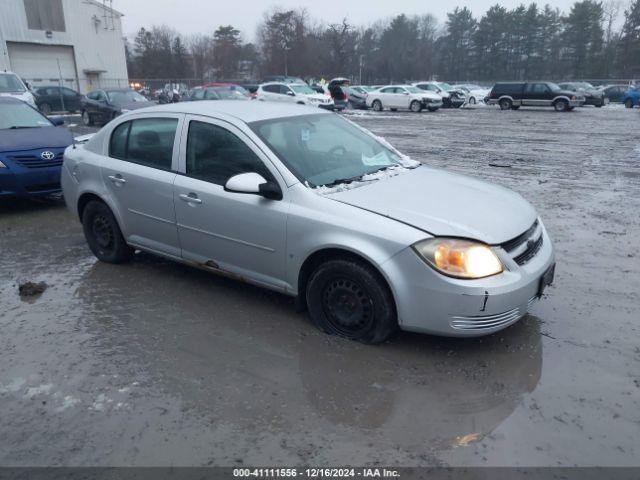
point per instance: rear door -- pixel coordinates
(139, 176)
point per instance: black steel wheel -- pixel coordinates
(103, 234)
(350, 299)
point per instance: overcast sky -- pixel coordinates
(203, 16)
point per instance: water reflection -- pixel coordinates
(241, 355)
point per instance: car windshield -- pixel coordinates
(10, 83)
(229, 94)
(414, 90)
(324, 149)
(445, 86)
(120, 97)
(585, 85)
(21, 115)
(302, 89)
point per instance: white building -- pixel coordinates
(78, 43)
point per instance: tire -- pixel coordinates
(377, 106)
(45, 109)
(505, 104)
(515, 107)
(561, 106)
(87, 121)
(103, 234)
(433, 109)
(628, 103)
(472, 100)
(350, 299)
(415, 106)
(599, 105)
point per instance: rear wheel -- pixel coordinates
(628, 103)
(87, 120)
(472, 100)
(561, 106)
(45, 108)
(416, 106)
(377, 105)
(103, 234)
(505, 104)
(349, 299)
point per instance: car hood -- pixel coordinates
(445, 204)
(28, 139)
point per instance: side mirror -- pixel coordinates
(291, 94)
(57, 121)
(255, 184)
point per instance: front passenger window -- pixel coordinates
(214, 154)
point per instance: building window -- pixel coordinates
(45, 15)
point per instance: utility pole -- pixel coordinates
(361, 66)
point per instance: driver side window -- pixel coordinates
(214, 155)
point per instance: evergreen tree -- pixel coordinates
(629, 49)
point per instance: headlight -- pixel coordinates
(2, 165)
(459, 258)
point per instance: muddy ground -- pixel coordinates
(154, 363)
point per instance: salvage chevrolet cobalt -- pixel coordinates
(302, 201)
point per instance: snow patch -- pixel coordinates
(14, 386)
(43, 389)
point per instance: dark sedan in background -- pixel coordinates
(101, 106)
(57, 99)
(357, 97)
(225, 92)
(615, 93)
(31, 150)
(592, 95)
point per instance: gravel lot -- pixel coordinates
(154, 363)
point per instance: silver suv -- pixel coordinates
(302, 201)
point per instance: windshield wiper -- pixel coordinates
(338, 181)
(16, 127)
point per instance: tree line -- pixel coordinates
(593, 39)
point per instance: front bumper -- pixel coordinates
(429, 302)
(36, 179)
(433, 104)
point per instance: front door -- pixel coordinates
(240, 234)
(139, 177)
(537, 95)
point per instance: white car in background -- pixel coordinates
(451, 98)
(408, 97)
(12, 86)
(475, 93)
(299, 93)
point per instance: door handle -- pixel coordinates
(117, 179)
(191, 198)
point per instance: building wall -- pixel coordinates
(96, 48)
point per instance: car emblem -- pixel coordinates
(48, 155)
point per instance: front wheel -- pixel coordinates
(561, 106)
(628, 103)
(103, 234)
(350, 299)
(416, 106)
(377, 106)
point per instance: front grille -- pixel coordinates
(533, 247)
(36, 161)
(45, 187)
(486, 322)
(520, 239)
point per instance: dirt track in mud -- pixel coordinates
(154, 363)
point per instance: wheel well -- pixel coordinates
(321, 256)
(84, 199)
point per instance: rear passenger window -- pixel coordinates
(146, 142)
(214, 154)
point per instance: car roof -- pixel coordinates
(247, 112)
(10, 100)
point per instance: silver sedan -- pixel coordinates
(304, 202)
